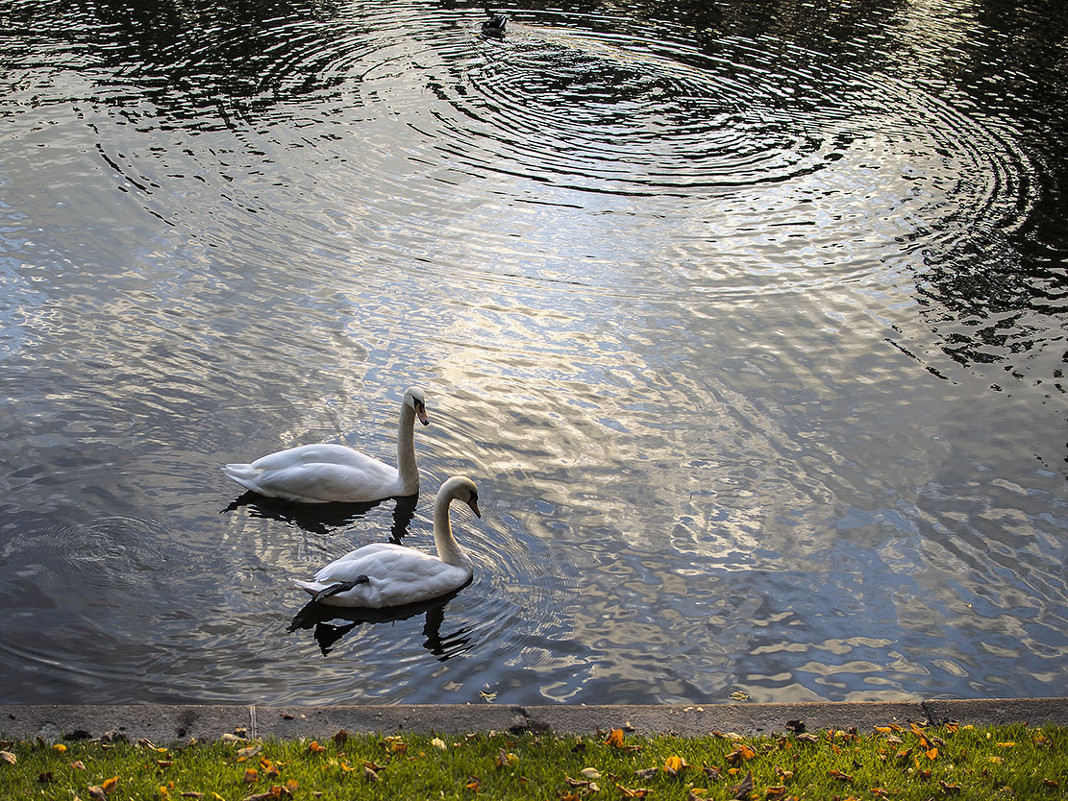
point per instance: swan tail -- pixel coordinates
(320, 591)
(243, 474)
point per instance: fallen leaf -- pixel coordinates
(615, 738)
(932, 754)
(78, 765)
(808, 738)
(740, 752)
(59, 747)
(438, 743)
(647, 773)
(251, 776)
(949, 788)
(741, 791)
(315, 748)
(472, 784)
(785, 775)
(633, 792)
(697, 794)
(8, 757)
(371, 774)
(96, 792)
(837, 774)
(738, 695)
(591, 773)
(110, 785)
(1050, 783)
(675, 765)
(506, 759)
(1009, 744)
(775, 791)
(46, 777)
(251, 751)
(340, 738)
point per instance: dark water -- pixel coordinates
(748, 319)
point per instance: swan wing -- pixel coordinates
(302, 479)
(323, 453)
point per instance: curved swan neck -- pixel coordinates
(449, 550)
(409, 473)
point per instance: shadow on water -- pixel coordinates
(323, 518)
(331, 623)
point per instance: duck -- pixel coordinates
(327, 473)
(494, 26)
(383, 575)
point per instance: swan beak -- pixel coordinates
(473, 503)
(420, 412)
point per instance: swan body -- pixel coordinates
(335, 473)
(385, 574)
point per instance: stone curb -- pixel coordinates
(166, 724)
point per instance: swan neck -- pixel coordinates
(409, 473)
(449, 551)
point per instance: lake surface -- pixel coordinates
(747, 319)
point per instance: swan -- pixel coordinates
(495, 25)
(336, 473)
(386, 574)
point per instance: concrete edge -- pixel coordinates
(167, 724)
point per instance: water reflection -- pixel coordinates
(331, 624)
(323, 518)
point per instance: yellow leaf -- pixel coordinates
(883, 729)
(952, 727)
(932, 754)
(1009, 744)
(775, 791)
(674, 765)
(438, 743)
(315, 748)
(59, 747)
(8, 757)
(615, 738)
(110, 785)
(995, 760)
(251, 776)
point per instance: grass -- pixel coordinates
(958, 762)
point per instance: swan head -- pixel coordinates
(461, 488)
(413, 397)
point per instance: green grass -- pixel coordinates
(959, 762)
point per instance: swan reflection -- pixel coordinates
(323, 518)
(331, 623)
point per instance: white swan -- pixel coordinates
(385, 574)
(335, 473)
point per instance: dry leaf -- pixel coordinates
(251, 751)
(615, 738)
(8, 757)
(837, 774)
(1050, 783)
(808, 738)
(59, 747)
(370, 774)
(740, 752)
(78, 765)
(591, 773)
(315, 748)
(949, 788)
(648, 773)
(110, 785)
(636, 792)
(775, 791)
(96, 792)
(251, 776)
(675, 765)
(438, 743)
(742, 790)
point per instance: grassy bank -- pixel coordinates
(891, 762)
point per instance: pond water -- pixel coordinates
(747, 319)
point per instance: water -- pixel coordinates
(748, 322)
